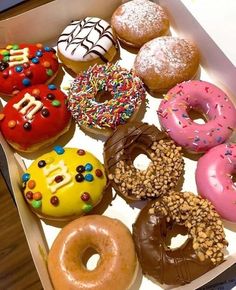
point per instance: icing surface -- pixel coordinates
(163, 172)
(86, 39)
(214, 179)
(32, 116)
(113, 242)
(125, 87)
(61, 179)
(201, 96)
(24, 65)
(166, 217)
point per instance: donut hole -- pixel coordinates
(90, 258)
(197, 116)
(176, 236)
(140, 159)
(102, 96)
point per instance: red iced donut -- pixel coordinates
(23, 65)
(35, 118)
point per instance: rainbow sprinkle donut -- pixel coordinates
(124, 87)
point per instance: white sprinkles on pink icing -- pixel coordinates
(206, 98)
(214, 179)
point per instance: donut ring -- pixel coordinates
(127, 93)
(206, 98)
(171, 214)
(116, 267)
(161, 175)
(23, 65)
(214, 179)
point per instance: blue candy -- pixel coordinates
(88, 167)
(88, 177)
(59, 150)
(25, 177)
(52, 87)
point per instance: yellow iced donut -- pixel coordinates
(64, 183)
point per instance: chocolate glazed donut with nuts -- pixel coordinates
(162, 174)
(168, 216)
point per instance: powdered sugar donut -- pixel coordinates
(214, 179)
(138, 21)
(35, 118)
(86, 42)
(210, 101)
(166, 61)
(23, 65)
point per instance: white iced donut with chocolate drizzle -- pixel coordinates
(86, 42)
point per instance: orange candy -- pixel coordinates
(37, 196)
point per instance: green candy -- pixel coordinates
(56, 103)
(36, 203)
(15, 46)
(5, 53)
(87, 208)
(6, 58)
(49, 72)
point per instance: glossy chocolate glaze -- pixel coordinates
(158, 261)
(122, 143)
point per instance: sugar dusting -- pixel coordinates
(165, 54)
(139, 14)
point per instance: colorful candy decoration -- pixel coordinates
(64, 183)
(24, 65)
(29, 121)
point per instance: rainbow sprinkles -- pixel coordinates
(124, 86)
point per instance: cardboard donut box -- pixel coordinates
(44, 24)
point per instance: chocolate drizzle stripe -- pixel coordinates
(121, 144)
(90, 46)
(140, 133)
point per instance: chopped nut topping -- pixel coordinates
(161, 175)
(201, 219)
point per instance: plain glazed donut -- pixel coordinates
(163, 172)
(165, 61)
(214, 179)
(125, 88)
(24, 65)
(111, 239)
(138, 21)
(210, 101)
(168, 216)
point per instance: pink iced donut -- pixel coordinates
(205, 98)
(214, 179)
